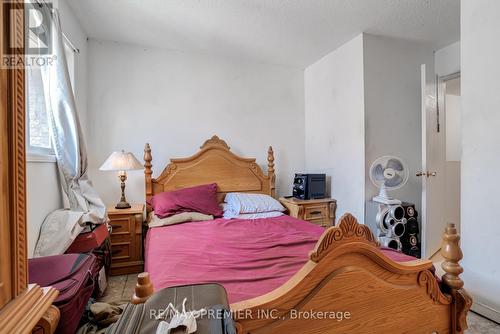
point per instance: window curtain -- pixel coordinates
(61, 227)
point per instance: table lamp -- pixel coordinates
(121, 162)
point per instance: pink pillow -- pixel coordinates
(201, 199)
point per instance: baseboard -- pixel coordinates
(486, 311)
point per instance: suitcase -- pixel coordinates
(140, 318)
(74, 275)
(96, 242)
(85, 242)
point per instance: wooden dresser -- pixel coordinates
(317, 211)
(126, 239)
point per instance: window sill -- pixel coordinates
(37, 157)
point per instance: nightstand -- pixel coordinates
(317, 211)
(126, 239)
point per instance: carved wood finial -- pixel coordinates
(147, 157)
(270, 171)
(215, 141)
(451, 251)
(270, 160)
(143, 289)
(148, 171)
(347, 230)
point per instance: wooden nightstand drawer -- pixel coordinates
(316, 212)
(120, 251)
(321, 222)
(122, 225)
(126, 240)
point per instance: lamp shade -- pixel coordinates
(121, 161)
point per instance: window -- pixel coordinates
(38, 122)
(38, 119)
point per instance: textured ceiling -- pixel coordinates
(290, 32)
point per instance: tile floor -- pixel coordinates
(479, 325)
(120, 288)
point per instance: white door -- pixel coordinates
(433, 220)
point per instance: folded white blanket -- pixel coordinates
(183, 217)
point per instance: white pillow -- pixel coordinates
(260, 215)
(239, 203)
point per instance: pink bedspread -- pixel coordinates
(248, 257)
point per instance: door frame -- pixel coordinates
(423, 110)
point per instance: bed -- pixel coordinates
(251, 257)
(281, 271)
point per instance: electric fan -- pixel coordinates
(388, 173)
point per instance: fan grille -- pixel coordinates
(390, 172)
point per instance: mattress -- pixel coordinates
(248, 257)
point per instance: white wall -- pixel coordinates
(452, 199)
(43, 196)
(176, 100)
(393, 108)
(334, 109)
(447, 60)
(43, 187)
(453, 129)
(480, 52)
(453, 123)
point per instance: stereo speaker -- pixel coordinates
(410, 239)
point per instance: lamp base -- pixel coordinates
(122, 205)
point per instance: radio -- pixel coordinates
(309, 186)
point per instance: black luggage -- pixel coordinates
(141, 318)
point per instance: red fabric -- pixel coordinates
(85, 242)
(201, 199)
(248, 257)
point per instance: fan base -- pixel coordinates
(385, 200)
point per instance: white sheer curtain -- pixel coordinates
(61, 227)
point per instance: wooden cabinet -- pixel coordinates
(126, 239)
(317, 211)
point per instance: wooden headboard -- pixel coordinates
(213, 163)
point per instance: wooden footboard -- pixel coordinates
(349, 286)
